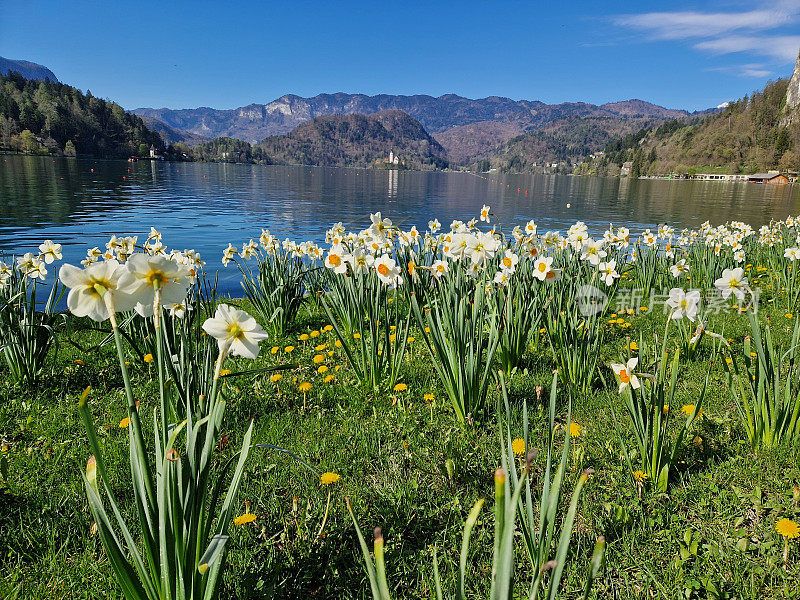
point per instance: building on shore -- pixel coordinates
(772, 177)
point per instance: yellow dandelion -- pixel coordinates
(274, 350)
(688, 410)
(304, 387)
(410, 339)
(244, 519)
(643, 308)
(788, 315)
(124, 423)
(289, 349)
(518, 446)
(543, 330)
(633, 346)
(338, 343)
(788, 528)
(329, 478)
(356, 336)
(304, 337)
(148, 358)
(318, 358)
(329, 378)
(320, 347)
(275, 377)
(640, 476)
(337, 367)
(327, 328)
(322, 369)
(314, 334)
(223, 372)
(428, 397)
(400, 387)
(575, 430)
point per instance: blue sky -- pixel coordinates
(178, 54)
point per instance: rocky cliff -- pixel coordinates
(792, 105)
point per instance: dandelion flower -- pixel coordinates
(329, 378)
(224, 372)
(640, 476)
(327, 328)
(318, 358)
(688, 410)
(124, 423)
(634, 346)
(274, 350)
(304, 337)
(304, 387)
(275, 377)
(400, 387)
(148, 358)
(289, 349)
(314, 334)
(428, 397)
(244, 519)
(329, 478)
(788, 528)
(575, 430)
(518, 446)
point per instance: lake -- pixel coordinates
(80, 203)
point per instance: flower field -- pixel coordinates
(474, 411)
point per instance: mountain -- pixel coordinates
(356, 140)
(171, 135)
(564, 141)
(50, 117)
(754, 134)
(27, 69)
(438, 115)
(792, 106)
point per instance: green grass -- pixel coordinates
(391, 457)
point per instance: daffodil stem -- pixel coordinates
(160, 358)
(223, 354)
(133, 413)
(325, 518)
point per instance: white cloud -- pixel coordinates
(756, 70)
(761, 31)
(689, 24)
(782, 47)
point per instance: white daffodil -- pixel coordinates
(434, 225)
(149, 273)
(31, 265)
(509, 261)
(50, 251)
(542, 268)
(88, 288)
(336, 259)
(733, 282)
(439, 268)
(359, 261)
(502, 277)
(228, 254)
(608, 272)
(388, 271)
(593, 251)
(679, 268)
(380, 226)
(683, 304)
(485, 214)
(178, 309)
(792, 253)
(235, 331)
(626, 375)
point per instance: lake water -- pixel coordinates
(80, 203)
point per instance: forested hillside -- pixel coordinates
(50, 117)
(747, 136)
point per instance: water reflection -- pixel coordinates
(80, 202)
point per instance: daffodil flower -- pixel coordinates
(626, 375)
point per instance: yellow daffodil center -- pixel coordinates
(235, 331)
(383, 269)
(334, 260)
(624, 377)
(98, 287)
